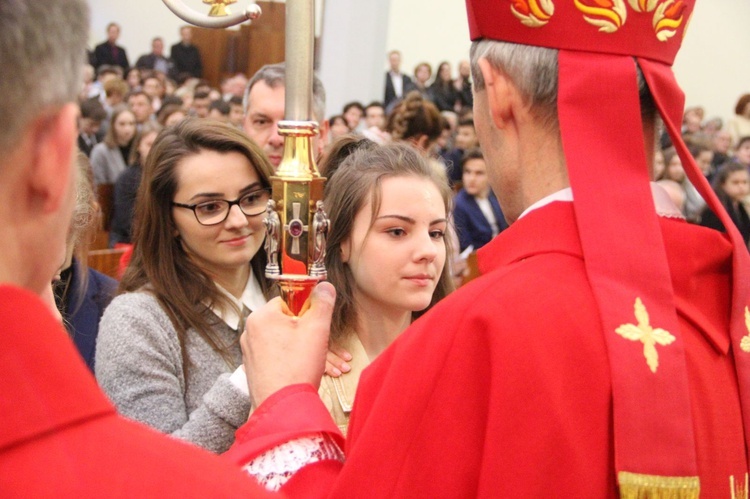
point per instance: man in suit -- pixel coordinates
(476, 212)
(59, 435)
(397, 84)
(109, 52)
(185, 56)
(155, 60)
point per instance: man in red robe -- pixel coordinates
(59, 435)
(605, 351)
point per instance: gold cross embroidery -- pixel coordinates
(644, 333)
(745, 342)
(219, 7)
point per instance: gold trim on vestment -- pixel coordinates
(640, 486)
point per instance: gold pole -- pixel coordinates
(296, 205)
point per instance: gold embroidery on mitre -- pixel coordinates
(533, 13)
(739, 490)
(745, 342)
(668, 18)
(608, 15)
(636, 485)
(646, 334)
(643, 5)
(219, 7)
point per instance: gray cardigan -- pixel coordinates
(140, 367)
(107, 163)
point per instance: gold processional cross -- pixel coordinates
(219, 7)
(647, 335)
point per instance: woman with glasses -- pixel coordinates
(168, 344)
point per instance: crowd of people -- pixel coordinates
(155, 317)
(194, 343)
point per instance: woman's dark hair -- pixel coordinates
(356, 180)
(439, 81)
(160, 264)
(340, 149)
(742, 103)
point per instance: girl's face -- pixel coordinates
(339, 128)
(228, 246)
(659, 165)
(674, 170)
(397, 258)
(144, 147)
(445, 72)
(423, 74)
(134, 78)
(743, 153)
(124, 128)
(737, 185)
(704, 161)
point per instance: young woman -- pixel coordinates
(110, 157)
(732, 185)
(694, 203)
(81, 294)
(386, 252)
(422, 75)
(442, 91)
(168, 344)
(126, 186)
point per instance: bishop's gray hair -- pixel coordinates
(42, 54)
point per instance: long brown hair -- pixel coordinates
(350, 185)
(159, 263)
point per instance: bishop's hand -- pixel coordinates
(279, 349)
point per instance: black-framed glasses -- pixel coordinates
(216, 211)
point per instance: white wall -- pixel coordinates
(432, 31)
(351, 52)
(710, 67)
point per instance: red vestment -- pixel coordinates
(504, 388)
(61, 437)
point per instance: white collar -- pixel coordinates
(664, 205)
(252, 298)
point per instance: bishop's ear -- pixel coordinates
(500, 93)
(52, 167)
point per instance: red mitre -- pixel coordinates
(599, 42)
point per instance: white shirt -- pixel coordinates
(398, 83)
(252, 298)
(662, 202)
(486, 208)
